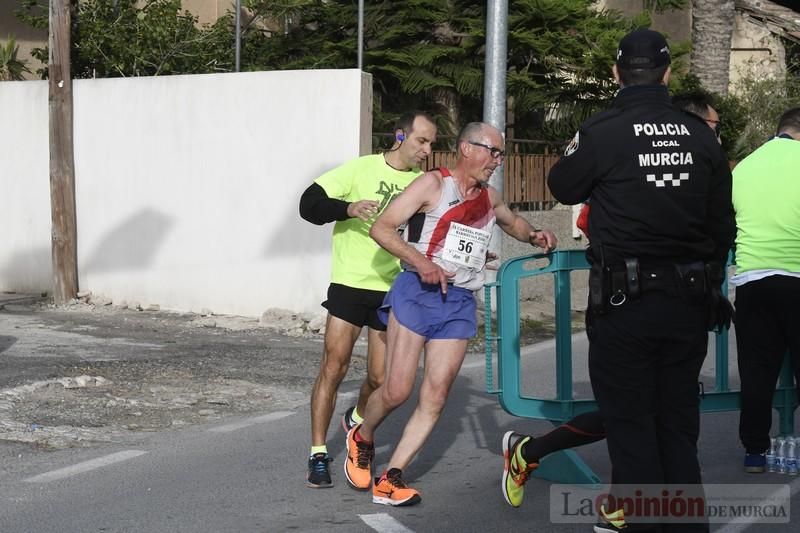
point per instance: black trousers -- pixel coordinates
(644, 363)
(767, 325)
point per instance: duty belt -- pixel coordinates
(628, 280)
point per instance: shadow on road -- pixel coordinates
(6, 342)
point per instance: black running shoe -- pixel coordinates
(347, 419)
(318, 475)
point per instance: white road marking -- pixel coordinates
(85, 466)
(474, 364)
(742, 523)
(383, 523)
(227, 428)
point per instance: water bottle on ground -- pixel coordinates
(780, 457)
(771, 459)
(791, 456)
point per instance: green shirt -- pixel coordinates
(358, 261)
(766, 197)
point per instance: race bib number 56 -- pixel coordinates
(466, 246)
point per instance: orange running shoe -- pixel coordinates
(390, 489)
(358, 465)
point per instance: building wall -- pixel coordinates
(187, 187)
(755, 50)
(676, 24)
(208, 11)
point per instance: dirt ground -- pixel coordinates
(82, 374)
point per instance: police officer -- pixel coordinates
(661, 218)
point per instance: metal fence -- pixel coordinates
(566, 466)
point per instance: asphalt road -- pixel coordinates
(246, 473)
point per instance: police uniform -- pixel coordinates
(659, 186)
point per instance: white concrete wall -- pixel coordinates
(24, 187)
(187, 186)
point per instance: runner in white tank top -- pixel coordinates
(448, 218)
(454, 234)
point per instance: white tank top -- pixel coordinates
(455, 233)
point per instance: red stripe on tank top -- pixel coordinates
(475, 213)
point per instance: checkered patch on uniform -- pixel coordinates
(573, 145)
(667, 178)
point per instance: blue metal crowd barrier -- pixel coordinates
(567, 466)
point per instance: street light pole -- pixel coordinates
(494, 85)
(238, 35)
(360, 34)
(494, 89)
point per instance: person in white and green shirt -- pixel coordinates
(766, 197)
(353, 195)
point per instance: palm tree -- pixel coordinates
(11, 68)
(712, 29)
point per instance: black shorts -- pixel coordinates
(357, 306)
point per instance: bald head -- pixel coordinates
(477, 132)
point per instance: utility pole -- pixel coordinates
(360, 34)
(494, 84)
(494, 89)
(62, 161)
(238, 45)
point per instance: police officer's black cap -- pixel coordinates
(643, 49)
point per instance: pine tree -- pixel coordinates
(430, 54)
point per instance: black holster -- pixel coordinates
(613, 287)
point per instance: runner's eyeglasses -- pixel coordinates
(493, 151)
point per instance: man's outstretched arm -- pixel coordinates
(518, 227)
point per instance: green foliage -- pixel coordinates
(11, 68)
(148, 41)
(560, 57)
(34, 13)
(430, 54)
(129, 38)
(762, 101)
(421, 53)
(750, 113)
(792, 57)
(426, 54)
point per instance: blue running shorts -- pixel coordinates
(423, 308)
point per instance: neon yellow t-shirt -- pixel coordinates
(357, 260)
(766, 198)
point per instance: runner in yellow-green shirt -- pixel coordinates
(352, 195)
(766, 197)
